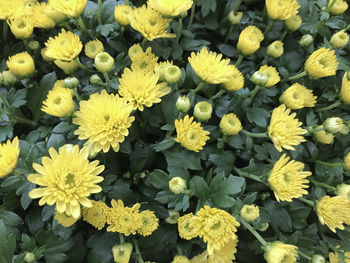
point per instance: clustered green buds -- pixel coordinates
(34, 45)
(183, 104)
(29, 257)
(7, 78)
(95, 79)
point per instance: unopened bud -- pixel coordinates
(8, 79)
(34, 45)
(29, 257)
(306, 40)
(263, 227)
(172, 74)
(250, 213)
(173, 217)
(183, 104)
(235, 17)
(333, 124)
(202, 111)
(343, 190)
(259, 78)
(104, 62)
(318, 259)
(177, 185)
(71, 82)
(95, 79)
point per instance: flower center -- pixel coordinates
(57, 101)
(70, 180)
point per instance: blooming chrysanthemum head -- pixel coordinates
(282, 9)
(277, 252)
(249, 40)
(21, 27)
(224, 254)
(96, 215)
(190, 134)
(65, 220)
(186, 231)
(321, 63)
(334, 257)
(170, 8)
(66, 46)
(9, 153)
(52, 12)
(236, 80)
(67, 67)
(250, 213)
(122, 14)
(134, 51)
(334, 211)
(284, 129)
(230, 124)
(180, 259)
(144, 61)
(293, 23)
(210, 67)
(272, 74)
(71, 8)
(149, 223)
(338, 8)
(275, 49)
(103, 121)
(93, 47)
(140, 89)
(297, 97)
(67, 179)
(288, 180)
(39, 17)
(339, 39)
(21, 64)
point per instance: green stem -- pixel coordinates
(229, 33)
(121, 238)
(256, 135)
(239, 60)
(221, 142)
(98, 14)
(298, 76)
(268, 27)
(311, 130)
(304, 255)
(254, 92)
(126, 2)
(82, 27)
(247, 175)
(237, 6)
(217, 95)
(76, 94)
(179, 31)
(137, 250)
(324, 185)
(105, 75)
(306, 201)
(347, 28)
(329, 107)
(144, 41)
(331, 5)
(5, 28)
(170, 132)
(82, 66)
(284, 34)
(252, 230)
(199, 87)
(4, 102)
(122, 30)
(191, 17)
(328, 164)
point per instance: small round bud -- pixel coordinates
(347, 162)
(93, 47)
(34, 45)
(260, 78)
(339, 39)
(143, 175)
(71, 82)
(275, 49)
(172, 74)
(318, 259)
(29, 257)
(8, 78)
(183, 104)
(293, 23)
(333, 124)
(177, 185)
(95, 79)
(183, 14)
(343, 190)
(323, 136)
(263, 227)
(235, 17)
(127, 175)
(122, 252)
(104, 62)
(202, 111)
(250, 213)
(230, 125)
(173, 217)
(306, 40)
(344, 130)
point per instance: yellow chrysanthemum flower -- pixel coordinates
(249, 40)
(93, 47)
(149, 223)
(282, 9)
(334, 257)
(66, 46)
(323, 136)
(224, 255)
(71, 8)
(293, 23)
(21, 27)
(67, 178)
(277, 252)
(67, 67)
(122, 252)
(338, 8)
(122, 14)
(96, 215)
(21, 64)
(52, 12)
(284, 130)
(190, 134)
(250, 213)
(297, 97)
(275, 49)
(141, 89)
(161, 68)
(180, 259)
(144, 61)
(15, 9)
(123, 219)
(39, 18)
(210, 67)
(9, 153)
(343, 190)
(185, 230)
(236, 80)
(287, 179)
(230, 125)
(347, 161)
(170, 8)
(134, 51)
(272, 74)
(65, 220)
(215, 226)
(150, 23)
(321, 63)
(103, 120)
(345, 89)
(339, 39)
(334, 211)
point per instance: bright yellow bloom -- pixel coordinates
(64, 219)
(185, 230)
(284, 130)
(97, 214)
(9, 153)
(334, 211)
(150, 23)
(250, 213)
(177, 185)
(215, 226)
(272, 74)
(123, 219)
(66, 46)
(190, 134)
(202, 111)
(210, 67)
(122, 14)
(347, 161)
(67, 178)
(67, 67)
(293, 23)
(149, 223)
(170, 8)
(297, 97)
(345, 89)
(141, 89)
(338, 8)
(180, 259)
(52, 12)
(144, 61)
(334, 257)
(339, 39)
(71, 8)
(287, 179)
(236, 80)
(103, 120)
(21, 64)
(15, 9)
(275, 49)
(277, 252)
(249, 40)
(323, 136)
(93, 47)
(104, 62)
(134, 51)
(230, 124)
(161, 68)
(321, 63)
(282, 9)
(39, 17)
(122, 252)
(21, 27)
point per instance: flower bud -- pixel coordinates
(183, 14)
(235, 17)
(29, 257)
(71, 82)
(230, 124)
(306, 40)
(95, 79)
(8, 78)
(202, 111)
(250, 213)
(347, 162)
(172, 74)
(34, 45)
(275, 49)
(259, 78)
(293, 23)
(93, 47)
(263, 227)
(318, 259)
(177, 185)
(122, 252)
(104, 62)
(183, 104)
(323, 136)
(143, 175)
(344, 130)
(333, 124)
(339, 39)
(127, 175)
(343, 190)
(173, 217)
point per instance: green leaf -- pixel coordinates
(182, 158)
(163, 145)
(280, 219)
(6, 131)
(224, 161)
(56, 141)
(7, 244)
(63, 127)
(199, 188)
(159, 179)
(258, 116)
(106, 29)
(17, 98)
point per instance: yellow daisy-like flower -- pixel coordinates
(170, 8)
(215, 226)
(9, 153)
(249, 40)
(180, 259)
(297, 97)
(321, 63)
(144, 61)
(66, 46)
(287, 179)
(284, 130)
(236, 80)
(52, 12)
(190, 134)
(21, 27)
(226, 254)
(339, 39)
(122, 14)
(122, 252)
(293, 23)
(282, 9)
(39, 18)
(71, 8)
(334, 257)
(103, 120)
(272, 74)
(338, 8)
(250, 213)
(150, 23)
(345, 89)
(334, 211)
(149, 223)
(134, 51)
(64, 219)
(59, 101)
(123, 219)
(141, 89)
(277, 252)
(67, 178)
(96, 215)
(21, 64)
(93, 47)
(185, 230)
(210, 67)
